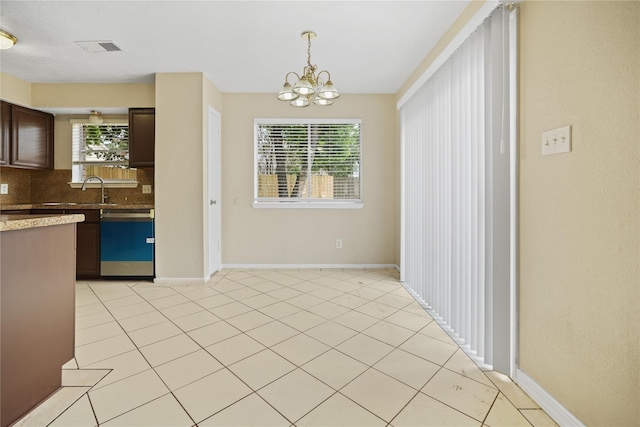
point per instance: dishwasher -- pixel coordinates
(127, 243)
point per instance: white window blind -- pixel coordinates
(455, 142)
(101, 150)
(307, 161)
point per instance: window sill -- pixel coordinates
(307, 205)
(107, 184)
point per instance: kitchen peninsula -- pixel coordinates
(37, 308)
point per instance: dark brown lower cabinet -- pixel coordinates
(88, 244)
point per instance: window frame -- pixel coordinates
(303, 203)
(96, 183)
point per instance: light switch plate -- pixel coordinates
(4, 188)
(146, 189)
(556, 141)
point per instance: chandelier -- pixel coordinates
(309, 84)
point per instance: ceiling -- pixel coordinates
(242, 46)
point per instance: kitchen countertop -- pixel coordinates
(63, 205)
(22, 222)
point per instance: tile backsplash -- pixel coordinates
(19, 181)
(40, 186)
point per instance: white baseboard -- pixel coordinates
(548, 403)
(309, 266)
(179, 280)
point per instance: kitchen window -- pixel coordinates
(102, 150)
(308, 163)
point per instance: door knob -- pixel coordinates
(212, 202)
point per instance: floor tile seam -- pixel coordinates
(535, 409)
(495, 387)
(236, 361)
(197, 379)
(97, 324)
(256, 390)
(65, 410)
(301, 365)
(119, 325)
(436, 363)
(111, 356)
(184, 409)
(123, 306)
(495, 399)
(332, 346)
(150, 301)
(200, 347)
(169, 306)
(507, 397)
(279, 342)
(445, 403)
(449, 341)
(154, 342)
(133, 409)
(242, 398)
(103, 305)
(358, 331)
(231, 317)
(96, 388)
(117, 298)
(378, 416)
(403, 406)
(314, 408)
(134, 315)
(399, 380)
(364, 363)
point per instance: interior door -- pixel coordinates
(214, 191)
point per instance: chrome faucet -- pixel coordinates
(84, 186)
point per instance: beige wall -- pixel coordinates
(579, 215)
(15, 90)
(181, 129)
(467, 15)
(80, 95)
(307, 236)
(179, 184)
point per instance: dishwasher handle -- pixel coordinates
(119, 215)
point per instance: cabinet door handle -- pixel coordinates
(212, 202)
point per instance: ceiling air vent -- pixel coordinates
(99, 46)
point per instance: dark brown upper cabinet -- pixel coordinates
(5, 132)
(31, 144)
(142, 137)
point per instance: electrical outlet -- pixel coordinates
(4, 188)
(338, 243)
(556, 141)
(146, 189)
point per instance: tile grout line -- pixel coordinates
(325, 320)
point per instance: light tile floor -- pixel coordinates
(272, 348)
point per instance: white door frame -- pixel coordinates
(213, 165)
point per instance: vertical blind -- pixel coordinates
(453, 144)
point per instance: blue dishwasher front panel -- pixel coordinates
(126, 247)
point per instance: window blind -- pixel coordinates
(307, 161)
(455, 153)
(101, 150)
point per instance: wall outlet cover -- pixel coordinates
(4, 188)
(146, 189)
